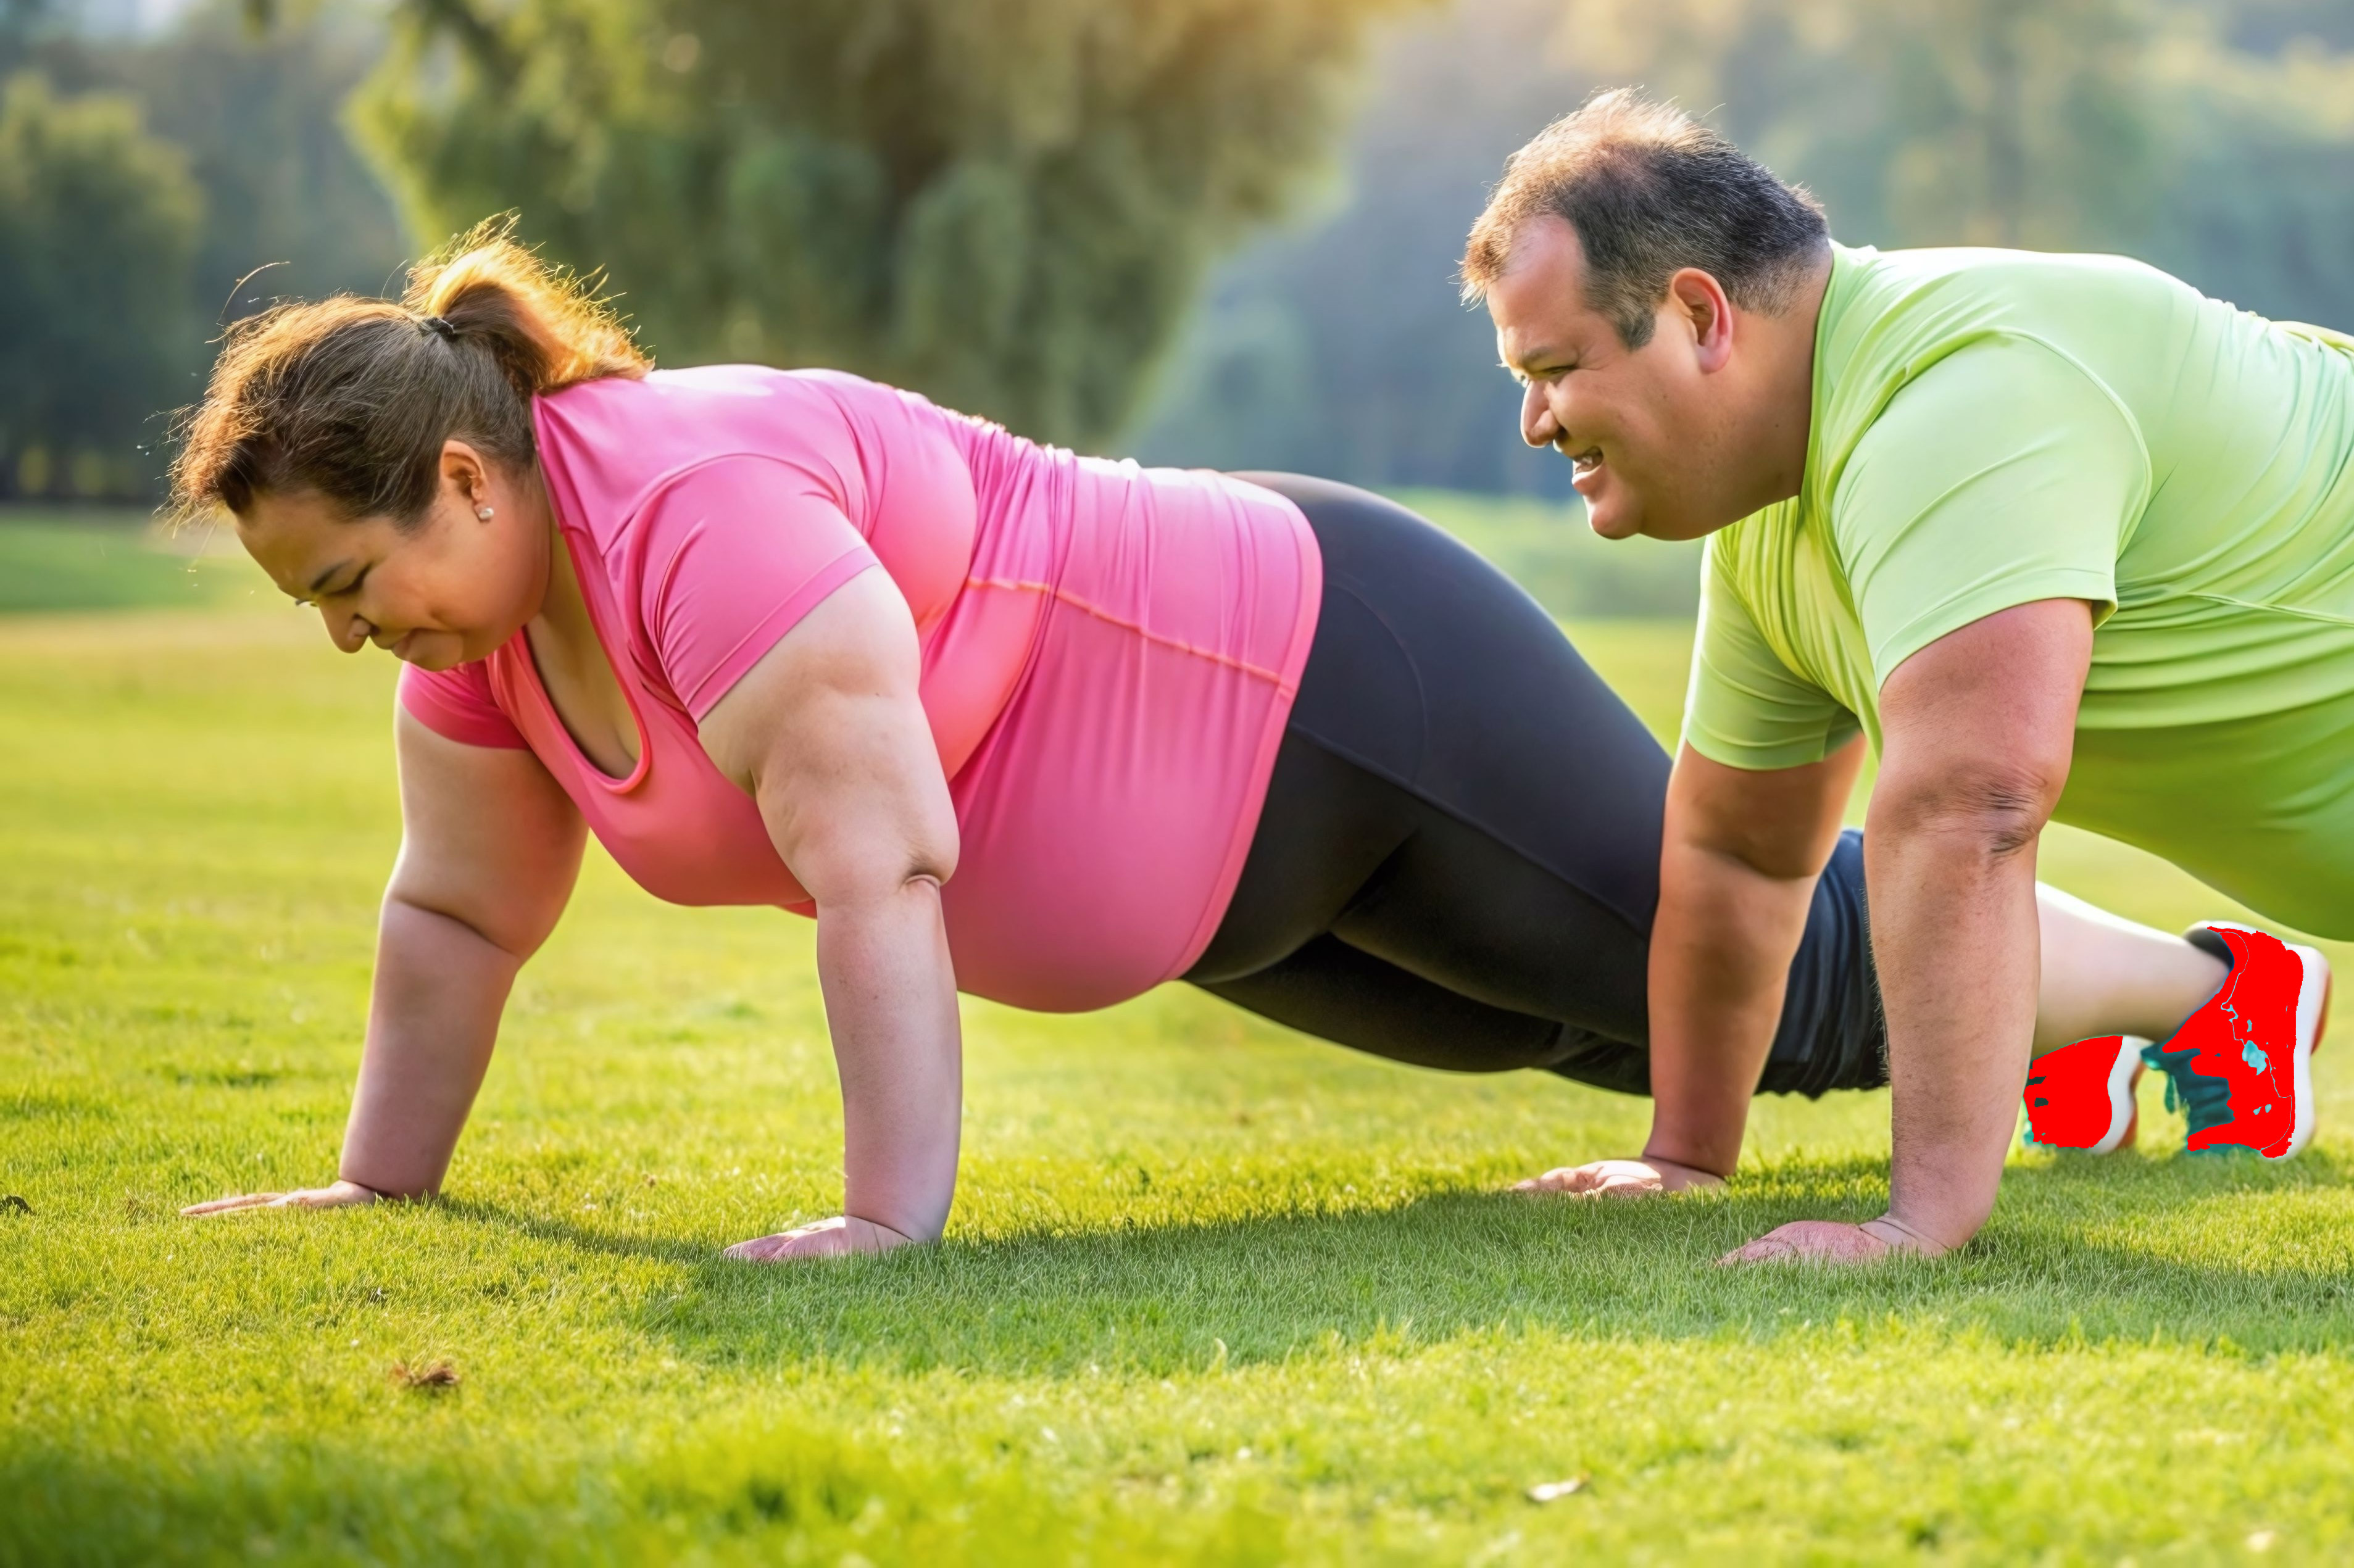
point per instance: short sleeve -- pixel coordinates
(737, 553)
(1745, 707)
(456, 704)
(2004, 475)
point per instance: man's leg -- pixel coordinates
(2106, 975)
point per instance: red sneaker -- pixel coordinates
(2082, 1096)
(2242, 1064)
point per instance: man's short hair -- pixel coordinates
(1651, 191)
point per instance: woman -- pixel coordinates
(1089, 728)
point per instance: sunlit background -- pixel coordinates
(1200, 231)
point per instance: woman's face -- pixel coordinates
(445, 593)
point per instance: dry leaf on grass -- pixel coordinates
(430, 1376)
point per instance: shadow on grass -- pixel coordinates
(569, 1233)
(2123, 1250)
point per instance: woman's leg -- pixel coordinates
(1366, 917)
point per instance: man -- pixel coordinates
(2060, 535)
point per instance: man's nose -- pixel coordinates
(1538, 426)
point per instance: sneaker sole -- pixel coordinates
(2124, 1113)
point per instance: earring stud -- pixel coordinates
(484, 512)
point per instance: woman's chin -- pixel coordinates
(432, 651)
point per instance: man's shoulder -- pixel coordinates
(1891, 315)
(1870, 281)
(1975, 332)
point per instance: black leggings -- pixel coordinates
(1457, 862)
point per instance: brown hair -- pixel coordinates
(1651, 191)
(351, 399)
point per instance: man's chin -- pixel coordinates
(1614, 520)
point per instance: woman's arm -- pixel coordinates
(489, 848)
(828, 733)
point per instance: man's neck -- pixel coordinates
(1785, 411)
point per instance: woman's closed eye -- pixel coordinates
(346, 591)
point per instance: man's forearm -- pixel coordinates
(1954, 932)
(433, 1019)
(1720, 951)
(890, 1002)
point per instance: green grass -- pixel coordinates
(1564, 565)
(1212, 1293)
(105, 560)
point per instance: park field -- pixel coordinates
(1213, 1293)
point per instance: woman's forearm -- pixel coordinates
(1720, 949)
(890, 1003)
(433, 1020)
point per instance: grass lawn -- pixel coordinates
(1213, 1293)
(88, 559)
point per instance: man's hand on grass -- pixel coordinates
(336, 1195)
(837, 1237)
(1622, 1179)
(1828, 1241)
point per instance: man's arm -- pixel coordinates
(1739, 857)
(1740, 852)
(1977, 731)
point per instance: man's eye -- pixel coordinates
(306, 604)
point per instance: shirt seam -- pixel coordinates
(1064, 596)
(2032, 589)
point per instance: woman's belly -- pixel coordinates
(1108, 814)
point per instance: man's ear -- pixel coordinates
(1700, 301)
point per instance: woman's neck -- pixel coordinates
(562, 606)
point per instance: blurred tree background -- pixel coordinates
(148, 163)
(1108, 222)
(1007, 203)
(2215, 138)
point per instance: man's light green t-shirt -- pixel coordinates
(1993, 427)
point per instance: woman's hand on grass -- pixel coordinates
(1828, 1241)
(837, 1237)
(336, 1195)
(1622, 1179)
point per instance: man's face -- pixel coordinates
(1642, 426)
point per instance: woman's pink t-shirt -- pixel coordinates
(1109, 654)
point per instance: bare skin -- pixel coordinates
(1705, 423)
(826, 733)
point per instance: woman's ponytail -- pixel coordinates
(352, 398)
(544, 328)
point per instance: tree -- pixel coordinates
(2012, 123)
(98, 226)
(1006, 204)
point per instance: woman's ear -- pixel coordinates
(464, 471)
